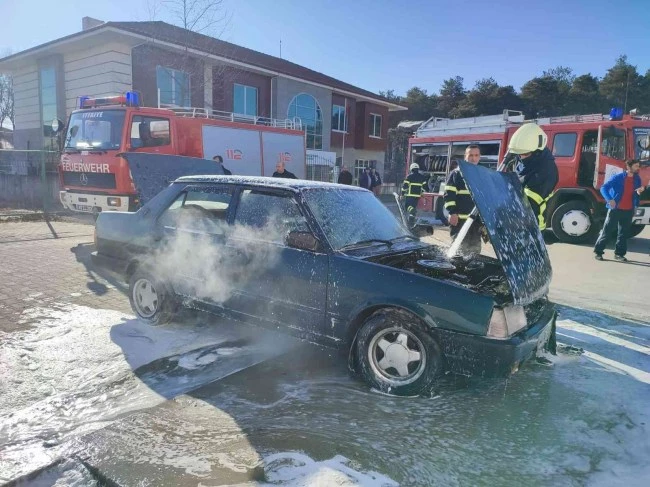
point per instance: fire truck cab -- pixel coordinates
(95, 177)
(588, 149)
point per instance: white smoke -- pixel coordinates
(212, 259)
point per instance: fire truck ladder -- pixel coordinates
(462, 126)
(287, 123)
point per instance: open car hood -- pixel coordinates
(152, 173)
(513, 230)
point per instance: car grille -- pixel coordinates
(90, 179)
(534, 311)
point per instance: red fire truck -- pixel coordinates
(94, 177)
(588, 149)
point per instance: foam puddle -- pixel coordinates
(72, 373)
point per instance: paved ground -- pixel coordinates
(43, 262)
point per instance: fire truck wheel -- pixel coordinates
(441, 213)
(572, 222)
(151, 300)
(635, 230)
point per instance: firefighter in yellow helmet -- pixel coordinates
(414, 185)
(536, 167)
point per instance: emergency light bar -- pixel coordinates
(129, 99)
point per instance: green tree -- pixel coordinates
(542, 97)
(487, 98)
(622, 86)
(451, 95)
(584, 96)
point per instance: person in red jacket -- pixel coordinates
(621, 191)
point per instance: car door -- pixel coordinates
(191, 235)
(277, 284)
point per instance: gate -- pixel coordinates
(29, 179)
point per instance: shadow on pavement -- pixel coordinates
(96, 274)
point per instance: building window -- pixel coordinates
(48, 98)
(339, 119)
(306, 108)
(173, 86)
(564, 145)
(359, 166)
(245, 100)
(375, 125)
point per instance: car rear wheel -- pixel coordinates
(151, 300)
(636, 230)
(572, 222)
(397, 354)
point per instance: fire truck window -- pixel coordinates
(613, 144)
(588, 158)
(149, 132)
(564, 145)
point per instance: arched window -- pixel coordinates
(306, 108)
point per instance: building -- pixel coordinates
(169, 65)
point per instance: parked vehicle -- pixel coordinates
(95, 177)
(331, 264)
(587, 149)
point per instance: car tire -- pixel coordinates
(440, 211)
(151, 299)
(397, 354)
(636, 230)
(573, 223)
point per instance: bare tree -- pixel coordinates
(202, 16)
(6, 100)
(205, 17)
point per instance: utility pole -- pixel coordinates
(627, 87)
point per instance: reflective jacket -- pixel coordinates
(414, 185)
(458, 200)
(539, 173)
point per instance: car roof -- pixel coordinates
(267, 182)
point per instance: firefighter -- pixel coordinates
(459, 204)
(536, 168)
(414, 185)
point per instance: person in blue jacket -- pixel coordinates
(621, 192)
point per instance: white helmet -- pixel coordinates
(528, 138)
(415, 165)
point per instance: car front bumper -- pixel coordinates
(480, 356)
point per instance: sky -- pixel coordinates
(383, 44)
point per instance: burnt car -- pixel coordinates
(332, 265)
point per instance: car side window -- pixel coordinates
(272, 214)
(203, 210)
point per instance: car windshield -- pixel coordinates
(348, 217)
(642, 145)
(95, 130)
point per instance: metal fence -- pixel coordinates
(321, 166)
(29, 179)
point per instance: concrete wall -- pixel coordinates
(284, 90)
(99, 71)
(26, 106)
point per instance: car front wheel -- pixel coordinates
(397, 354)
(151, 300)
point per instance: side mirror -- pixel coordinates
(303, 241)
(422, 230)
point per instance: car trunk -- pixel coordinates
(152, 173)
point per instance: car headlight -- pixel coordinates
(639, 212)
(507, 321)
